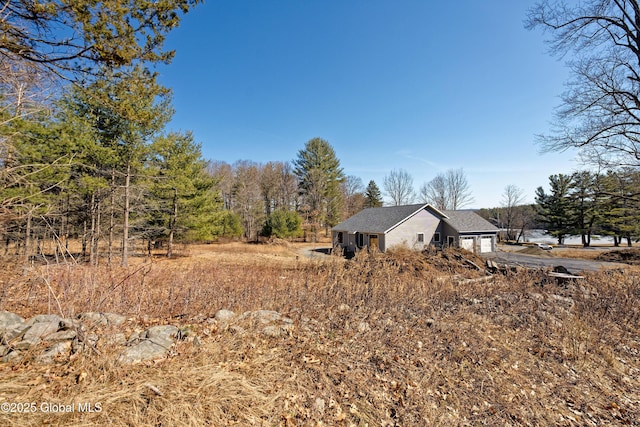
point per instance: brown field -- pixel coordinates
(381, 340)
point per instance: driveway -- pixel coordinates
(572, 264)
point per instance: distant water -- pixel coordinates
(539, 236)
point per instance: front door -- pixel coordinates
(373, 241)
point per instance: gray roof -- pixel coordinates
(381, 220)
(468, 222)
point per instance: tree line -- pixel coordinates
(589, 203)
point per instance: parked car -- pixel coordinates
(544, 246)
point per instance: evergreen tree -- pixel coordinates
(283, 224)
(554, 209)
(182, 188)
(583, 200)
(373, 196)
(319, 177)
(73, 38)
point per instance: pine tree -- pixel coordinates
(373, 196)
(554, 209)
(319, 176)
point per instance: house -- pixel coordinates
(414, 226)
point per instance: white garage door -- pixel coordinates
(485, 244)
(466, 243)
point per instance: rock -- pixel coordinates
(43, 318)
(13, 355)
(38, 331)
(224, 315)
(262, 316)
(11, 326)
(9, 320)
(267, 316)
(64, 335)
(165, 332)
(115, 339)
(144, 350)
(153, 343)
(101, 319)
(57, 349)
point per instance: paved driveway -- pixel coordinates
(572, 264)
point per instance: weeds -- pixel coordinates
(380, 340)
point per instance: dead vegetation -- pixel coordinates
(626, 256)
(384, 339)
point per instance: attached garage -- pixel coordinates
(470, 230)
(467, 243)
(486, 244)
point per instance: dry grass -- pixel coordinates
(379, 340)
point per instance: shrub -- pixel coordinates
(282, 224)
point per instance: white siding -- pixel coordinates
(407, 232)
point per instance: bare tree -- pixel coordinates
(600, 110)
(447, 191)
(399, 187)
(512, 197)
(434, 192)
(352, 192)
(458, 189)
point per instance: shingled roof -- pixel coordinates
(468, 221)
(381, 220)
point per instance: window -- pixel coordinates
(420, 237)
(436, 237)
(340, 237)
(360, 240)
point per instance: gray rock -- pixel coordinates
(144, 350)
(266, 316)
(69, 324)
(101, 319)
(164, 332)
(114, 319)
(4, 349)
(64, 335)
(114, 339)
(8, 335)
(224, 315)
(39, 330)
(84, 342)
(13, 355)
(9, 320)
(53, 351)
(44, 318)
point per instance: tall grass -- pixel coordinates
(380, 340)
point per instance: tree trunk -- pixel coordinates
(27, 240)
(125, 220)
(112, 213)
(92, 232)
(172, 223)
(84, 240)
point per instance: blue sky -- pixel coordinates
(423, 86)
